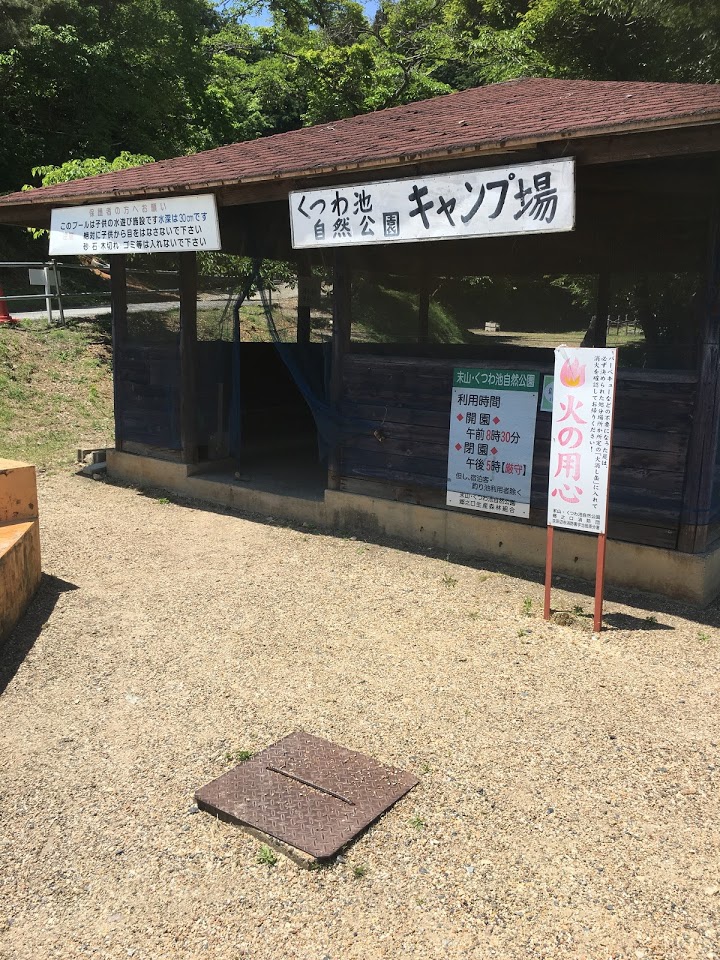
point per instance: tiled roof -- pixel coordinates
(482, 119)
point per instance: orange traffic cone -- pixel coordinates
(4, 312)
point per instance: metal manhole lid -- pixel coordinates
(306, 792)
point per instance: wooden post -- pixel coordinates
(424, 311)
(702, 444)
(342, 320)
(602, 310)
(188, 356)
(303, 309)
(118, 310)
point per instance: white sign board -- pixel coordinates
(546, 401)
(41, 278)
(160, 225)
(536, 197)
(492, 434)
(581, 439)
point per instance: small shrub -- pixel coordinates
(266, 857)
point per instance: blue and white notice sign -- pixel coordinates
(492, 436)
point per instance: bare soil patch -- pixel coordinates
(568, 804)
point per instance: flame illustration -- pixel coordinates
(572, 373)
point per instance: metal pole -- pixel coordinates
(48, 294)
(599, 583)
(602, 540)
(548, 571)
(59, 292)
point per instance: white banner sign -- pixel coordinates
(536, 197)
(581, 439)
(161, 225)
(492, 435)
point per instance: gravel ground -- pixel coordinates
(568, 804)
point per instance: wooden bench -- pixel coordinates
(19, 541)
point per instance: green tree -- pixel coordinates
(15, 19)
(96, 78)
(91, 166)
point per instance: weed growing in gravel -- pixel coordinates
(417, 822)
(425, 767)
(238, 756)
(523, 633)
(704, 637)
(359, 871)
(578, 610)
(449, 581)
(527, 606)
(651, 619)
(474, 615)
(163, 500)
(266, 857)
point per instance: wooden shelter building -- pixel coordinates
(647, 162)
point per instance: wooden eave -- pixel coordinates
(644, 141)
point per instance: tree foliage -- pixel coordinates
(96, 78)
(76, 169)
(100, 78)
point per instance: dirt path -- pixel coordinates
(568, 804)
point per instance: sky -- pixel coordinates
(262, 19)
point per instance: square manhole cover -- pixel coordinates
(306, 792)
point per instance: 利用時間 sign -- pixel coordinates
(492, 435)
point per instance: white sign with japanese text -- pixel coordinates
(158, 225)
(492, 435)
(536, 197)
(581, 439)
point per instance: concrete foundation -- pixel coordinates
(693, 578)
(20, 569)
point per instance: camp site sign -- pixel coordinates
(521, 198)
(492, 434)
(160, 225)
(581, 439)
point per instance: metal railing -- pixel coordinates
(50, 276)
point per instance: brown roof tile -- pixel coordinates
(479, 119)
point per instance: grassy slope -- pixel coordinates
(55, 392)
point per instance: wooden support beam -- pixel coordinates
(188, 356)
(424, 311)
(602, 310)
(702, 446)
(118, 310)
(342, 320)
(303, 308)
